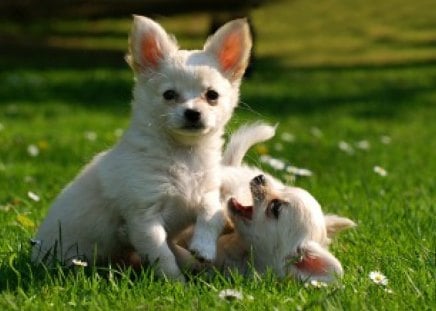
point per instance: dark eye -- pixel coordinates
(170, 95)
(275, 207)
(212, 96)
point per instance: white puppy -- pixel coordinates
(164, 173)
(276, 227)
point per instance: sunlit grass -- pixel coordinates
(332, 74)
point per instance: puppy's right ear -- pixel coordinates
(149, 45)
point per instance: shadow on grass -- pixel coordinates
(18, 273)
(40, 56)
(367, 91)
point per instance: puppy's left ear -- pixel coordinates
(315, 263)
(149, 45)
(335, 224)
(231, 46)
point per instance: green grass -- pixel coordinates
(355, 70)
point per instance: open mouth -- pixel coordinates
(238, 209)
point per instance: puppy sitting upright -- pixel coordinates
(164, 174)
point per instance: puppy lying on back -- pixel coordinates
(276, 227)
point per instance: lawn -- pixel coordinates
(352, 85)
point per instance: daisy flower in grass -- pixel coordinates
(316, 132)
(385, 139)
(33, 196)
(380, 171)
(345, 147)
(363, 145)
(378, 278)
(287, 137)
(230, 294)
(33, 150)
(280, 165)
(79, 263)
(316, 284)
(273, 162)
(299, 171)
(91, 136)
(28, 179)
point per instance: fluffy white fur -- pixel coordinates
(164, 173)
(291, 241)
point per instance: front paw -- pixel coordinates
(203, 251)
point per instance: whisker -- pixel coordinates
(244, 106)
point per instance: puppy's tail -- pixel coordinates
(243, 139)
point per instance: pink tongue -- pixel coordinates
(244, 211)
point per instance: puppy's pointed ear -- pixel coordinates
(335, 224)
(315, 263)
(149, 44)
(231, 46)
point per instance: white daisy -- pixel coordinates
(316, 284)
(33, 196)
(5, 208)
(287, 137)
(91, 136)
(316, 132)
(273, 162)
(33, 150)
(298, 171)
(380, 171)
(265, 158)
(28, 179)
(230, 294)
(79, 263)
(345, 147)
(378, 278)
(385, 139)
(363, 145)
(277, 164)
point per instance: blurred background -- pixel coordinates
(291, 36)
(335, 67)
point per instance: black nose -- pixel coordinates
(260, 180)
(192, 115)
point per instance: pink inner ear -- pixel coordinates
(313, 265)
(150, 51)
(230, 52)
